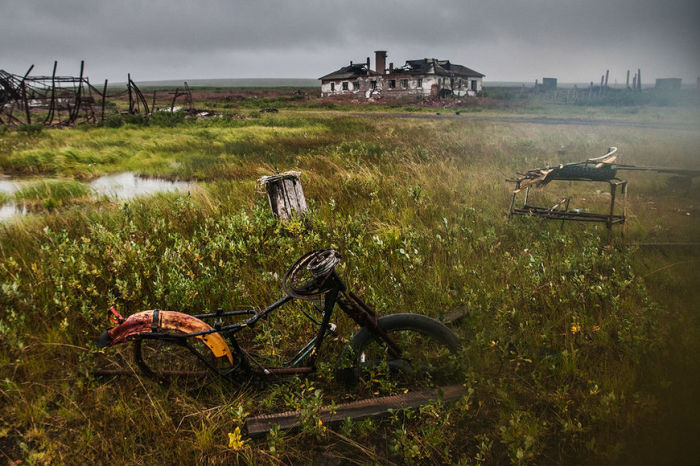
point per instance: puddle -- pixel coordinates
(10, 209)
(121, 186)
(128, 185)
(9, 186)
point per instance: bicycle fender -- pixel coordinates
(157, 321)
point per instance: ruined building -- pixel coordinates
(425, 78)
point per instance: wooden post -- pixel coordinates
(285, 194)
(52, 103)
(627, 83)
(78, 95)
(25, 101)
(128, 85)
(153, 107)
(607, 73)
(602, 80)
(104, 98)
(172, 104)
(24, 95)
(609, 223)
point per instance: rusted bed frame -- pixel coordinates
(598, 169)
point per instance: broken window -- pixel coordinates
(404, 83)
(345, 85)
(374, 84)
(474, 85)
(332, 87)
(420, 82)
(355, 86)
(392, 84)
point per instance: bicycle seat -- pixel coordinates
(308, 277)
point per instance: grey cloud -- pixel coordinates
(216, 38)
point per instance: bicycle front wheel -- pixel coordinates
(428, 353)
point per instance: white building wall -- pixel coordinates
(382, 87)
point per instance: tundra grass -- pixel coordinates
(567, 343)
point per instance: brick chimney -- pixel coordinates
(380, 61)
(391, 68)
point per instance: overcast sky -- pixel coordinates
(507, 40)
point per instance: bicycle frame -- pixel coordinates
(347, 301)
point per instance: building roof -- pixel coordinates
(351, 71)
(418, 67)
(440, 68)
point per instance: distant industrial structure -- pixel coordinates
(549, 83)
(668, 83)
(424, 78)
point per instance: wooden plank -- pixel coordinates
(356, 409)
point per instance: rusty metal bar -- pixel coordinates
(289, 371)
(355, 410)
(109, 372)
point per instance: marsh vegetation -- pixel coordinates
(570, 347)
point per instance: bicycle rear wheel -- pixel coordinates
(428, 358)
(174, 361)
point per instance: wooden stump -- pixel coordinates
(285, 194)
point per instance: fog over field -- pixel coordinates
(507, 41)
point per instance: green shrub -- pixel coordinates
(137, 119)
(32, 129)
(114, 120)
(166, 119)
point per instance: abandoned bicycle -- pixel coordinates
(170, 344)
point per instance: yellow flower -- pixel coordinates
(575, 328)
(234, 439)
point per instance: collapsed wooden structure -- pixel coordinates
(66, 100)
(50, 100)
